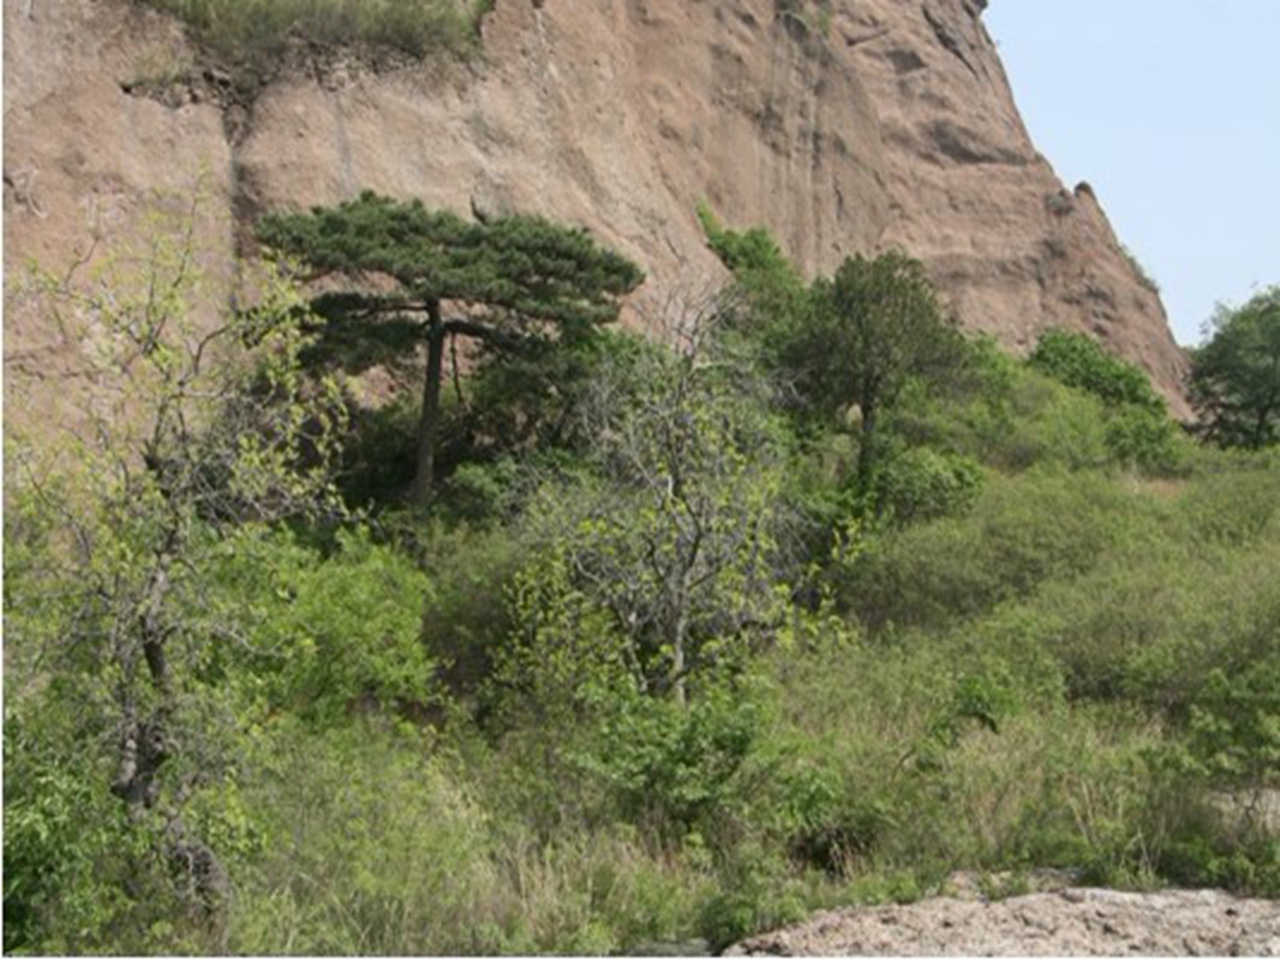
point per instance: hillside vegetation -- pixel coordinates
(808, 600)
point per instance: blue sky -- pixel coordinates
(1171, 109)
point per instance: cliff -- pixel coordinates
(892, 127)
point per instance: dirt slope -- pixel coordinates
(894, 127)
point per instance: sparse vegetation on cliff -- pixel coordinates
(809, 16)
(251, 36)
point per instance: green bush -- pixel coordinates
(1138, 430)
(1235, 725)
(921, 484)
(669, 768)
(1008, 416)
(1144, 438)
(1017, 535)
(331, 634)
(1080, 361)
(65, 843)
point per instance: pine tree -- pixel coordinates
(509, 284)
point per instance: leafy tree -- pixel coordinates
(191, 432)
(871, 329)
(1235, 377)
(509, 284)
(670, 545)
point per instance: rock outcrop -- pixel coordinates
(892, 125)
(1066, 923)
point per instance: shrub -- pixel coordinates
(670, 768)
(67, 844)
(1080, 361)
(921, 484)
(331, 633)
(1008, 416)
(1144, 438)
(1235, 725)
(1017, 535)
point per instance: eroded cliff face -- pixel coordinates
(897, 128)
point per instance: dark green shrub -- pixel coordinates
(668, 767)
(1235, 725)
(1141, 437)
(1006, 415)
(1234, 508)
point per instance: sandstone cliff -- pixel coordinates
(894, 128)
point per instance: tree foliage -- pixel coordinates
(872, 328)
(1139, 431)
(672, 541)
(1235, 377)
(649, 670)
(511, 284)
(194, 432)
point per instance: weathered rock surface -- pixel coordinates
(895, 128)
(1072, 922)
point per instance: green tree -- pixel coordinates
(191, 431)
(671, 545)
(509, 284)
(870, 330)
(1235, 377)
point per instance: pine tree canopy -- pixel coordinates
(527, 266)
(510, 283)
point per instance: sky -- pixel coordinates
(1171, 110)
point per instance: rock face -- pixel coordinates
(892, 125)
(1069, 923)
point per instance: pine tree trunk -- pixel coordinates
(429, 425)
